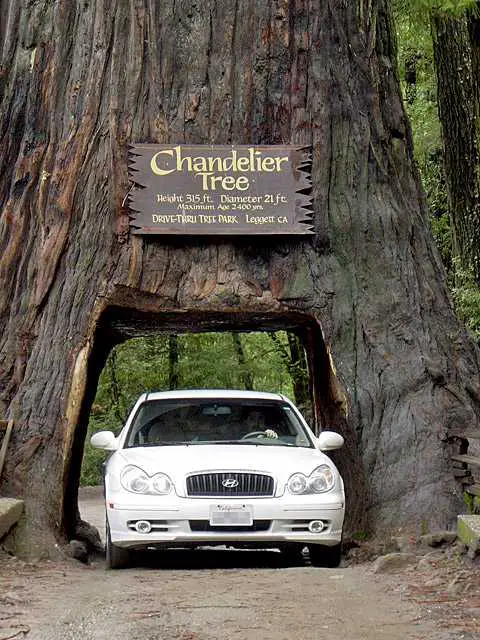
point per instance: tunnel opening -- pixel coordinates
(119, 330)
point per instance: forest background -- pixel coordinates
(438, 64)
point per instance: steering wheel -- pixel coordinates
(253, 434)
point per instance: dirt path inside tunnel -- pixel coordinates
(207, 595)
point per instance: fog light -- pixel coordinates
(143, 526)
(316, 526)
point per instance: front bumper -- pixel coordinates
(185, 521)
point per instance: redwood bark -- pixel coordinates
(456, 54)
(391, 366)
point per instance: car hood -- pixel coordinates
(186, 459)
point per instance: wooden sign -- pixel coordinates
(220, 190)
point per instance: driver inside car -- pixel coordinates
(255, 424)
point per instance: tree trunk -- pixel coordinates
(473, 23)
(115, 393)
(245, 373)
(411, 63)
(299, 372)
(391, 366)
(173, 362)
(456, 55)
(295, 362)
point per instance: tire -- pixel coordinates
(116, 557)
(323, 556)
(292, 555)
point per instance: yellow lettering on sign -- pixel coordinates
(154, 166)
(212, 169)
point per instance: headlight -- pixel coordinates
(297, 483)
(161, 484)
(136, 480)
(320, 480)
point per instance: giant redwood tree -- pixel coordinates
(391, 366)
(456, 46)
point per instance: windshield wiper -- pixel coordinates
(270, 441)
(251, 441)
(160, 443)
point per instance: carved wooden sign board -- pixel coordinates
(220, 190)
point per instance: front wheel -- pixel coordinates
(292, 555)
(323, 556)
(116, 557)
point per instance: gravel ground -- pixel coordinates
(244, 595)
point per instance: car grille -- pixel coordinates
(205, 526)
(246, 484)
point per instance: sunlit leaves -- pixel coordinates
(466, 295)
(419, 7)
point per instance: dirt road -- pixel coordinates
(207, 595)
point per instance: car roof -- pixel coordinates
(211, 394)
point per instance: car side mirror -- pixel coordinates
(104, 440)
(329, 440)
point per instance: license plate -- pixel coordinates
(231, 514)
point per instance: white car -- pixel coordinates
(212, 467)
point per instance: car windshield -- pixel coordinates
(224, 421)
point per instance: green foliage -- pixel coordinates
(472, 503)
(442, 234)
(466, 294)
(417, 73)
(361, 536)
(93, 460)
(423, 527)
(206, 360)
(415, 56)
(417, 8)
(415, 53)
